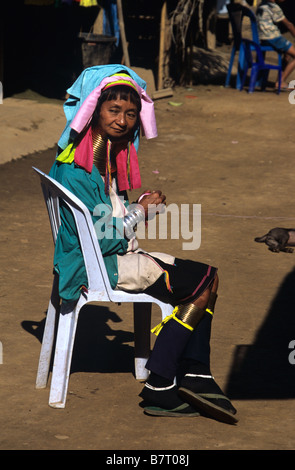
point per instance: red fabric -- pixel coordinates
(84, 152)
(84, 158)
(122, 169)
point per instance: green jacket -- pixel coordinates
(68, 259)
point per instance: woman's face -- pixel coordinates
(117, 118)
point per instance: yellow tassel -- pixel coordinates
(128, 164)
(109, 162)
(108, 175)
(156, 330)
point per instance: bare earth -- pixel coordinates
(230, 152)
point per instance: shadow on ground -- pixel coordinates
(259, 371)
(98, 347)
(262, 370)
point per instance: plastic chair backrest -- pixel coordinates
(93, 259)
(250, 47)
(235, 17)
(236, 13)
(52, 204)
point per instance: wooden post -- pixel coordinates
(162, 44)
(122, 33)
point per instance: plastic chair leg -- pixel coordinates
(142, 347)
(242, 66)
(230, 66)
(142, 326)
(280, 60)
(63, 357)
(243, 79)
(264, 74)
(279, 82)
(253, 78)
(48, 337)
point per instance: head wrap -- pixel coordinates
(120, 79)
(79, 109)
(147, 114)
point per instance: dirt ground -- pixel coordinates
(232, 153)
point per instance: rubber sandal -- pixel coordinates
(178, 412)
(202, 402)
(284, 88)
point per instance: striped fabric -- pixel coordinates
(268, 15)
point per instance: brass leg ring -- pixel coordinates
(190, 314)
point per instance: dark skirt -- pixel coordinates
(183, 282)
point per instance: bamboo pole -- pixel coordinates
(122, 32)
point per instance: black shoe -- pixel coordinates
(165, 402)
(203, 393)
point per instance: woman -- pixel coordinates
(97, 161)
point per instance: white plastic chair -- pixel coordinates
(99, 290)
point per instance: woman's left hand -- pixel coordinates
(153, 202)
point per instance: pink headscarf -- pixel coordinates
(126, 158)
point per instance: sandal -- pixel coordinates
(165, 402)
(183, 410)
(203, 393)
(202, 402)
(284, 87)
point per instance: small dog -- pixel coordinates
(277, 240)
